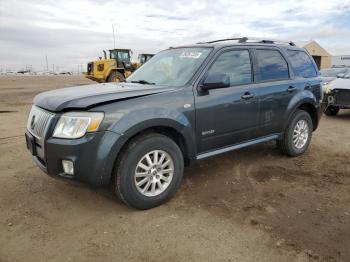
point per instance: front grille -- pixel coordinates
(38, 121)
(317, 90)
(90, 67)
(100, 67)
(342, 97)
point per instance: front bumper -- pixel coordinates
(93, 78)
(93, 156)
(339, 98)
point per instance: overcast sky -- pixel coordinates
(73, 32)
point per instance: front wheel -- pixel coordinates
(116, 76)
(149, 172)
(297, 137)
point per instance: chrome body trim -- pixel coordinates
(237, 146)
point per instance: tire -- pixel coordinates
(129, 162)
(331, 110)
(289, 145)
(116, 76)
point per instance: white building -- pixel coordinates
(341, 60)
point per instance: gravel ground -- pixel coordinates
(249, 205)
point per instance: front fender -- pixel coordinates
(135, 122)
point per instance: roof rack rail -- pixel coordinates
(221, 40)
(250, 40)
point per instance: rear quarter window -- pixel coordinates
(302, 64)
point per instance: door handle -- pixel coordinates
(247, 96)
(291, 89)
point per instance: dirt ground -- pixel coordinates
(249, 205)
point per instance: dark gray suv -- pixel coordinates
(186, 103)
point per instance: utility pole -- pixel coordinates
(47, 64)
(113, 35)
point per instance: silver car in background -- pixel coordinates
(330, 74)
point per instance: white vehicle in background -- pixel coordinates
(337, 95)
(330, 74)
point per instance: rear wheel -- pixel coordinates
(331, 110)
(297, 137)
(149, 172)
(116, 76)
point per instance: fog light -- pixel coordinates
(68, 167)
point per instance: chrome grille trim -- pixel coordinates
(42, 118)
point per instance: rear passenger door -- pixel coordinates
(275, 89)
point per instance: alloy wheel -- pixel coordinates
(154, 173)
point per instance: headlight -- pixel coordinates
(75, 124)
(327, 88)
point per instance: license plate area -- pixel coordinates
(30, 141)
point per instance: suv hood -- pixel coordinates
(327, 79)
(83, 97)
(340, 83)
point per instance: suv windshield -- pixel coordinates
(333, 72)
(172, 67)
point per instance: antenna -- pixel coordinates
(113, 35)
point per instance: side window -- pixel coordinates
(302, 64)
(272, 65)
(236, 64)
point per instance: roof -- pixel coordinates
(119, 49)
(313, 48)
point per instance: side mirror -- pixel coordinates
(214, 81)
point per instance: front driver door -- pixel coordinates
(227, 116)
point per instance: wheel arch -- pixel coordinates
(311, 109)
(177, 132)
(169, 132)
(307, 105)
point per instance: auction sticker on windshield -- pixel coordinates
(194, 55)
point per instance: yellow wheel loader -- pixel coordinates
(114, 69)
(143, 58)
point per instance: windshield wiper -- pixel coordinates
(143, 82)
